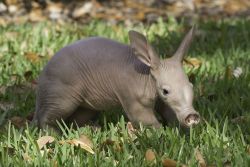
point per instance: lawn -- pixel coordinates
(222, 98)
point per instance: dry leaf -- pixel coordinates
(199, 158)
(131, 130)
(55, 10)
(248, 150)
(169, 163)
(33, 57)
(194, 62)
(84, 142)
(42, 141)
(55, 7)
(84, 9)
(83, 145)
(18, 121)
(130, 127)
(36, 15)
(26, 157)
(55, 163)
(150, 155)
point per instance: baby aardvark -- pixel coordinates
(97, 74)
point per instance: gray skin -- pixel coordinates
(98, 74)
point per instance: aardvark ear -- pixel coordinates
(143, 50)
(184, 46)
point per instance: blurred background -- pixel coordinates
(115, 11)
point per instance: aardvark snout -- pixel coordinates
(192, 119)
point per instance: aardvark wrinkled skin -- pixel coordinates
(98, 74)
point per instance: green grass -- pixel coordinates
(219, 97)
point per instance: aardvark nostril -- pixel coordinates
(192, 119)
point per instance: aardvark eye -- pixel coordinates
(165, 92)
